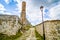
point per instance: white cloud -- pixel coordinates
(19, 5)
(2, 7)
(3, 10)
(34, 14)
(7, 13)
(55, 12)
(7, 1)
(49, 1)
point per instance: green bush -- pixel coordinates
(38, 36)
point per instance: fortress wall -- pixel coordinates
(9, 25)
(52, 29)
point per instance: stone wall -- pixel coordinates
(52, 29)
(9, 24)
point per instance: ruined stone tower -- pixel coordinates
(23, 13)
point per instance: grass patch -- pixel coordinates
(38, 36)
(13, 37)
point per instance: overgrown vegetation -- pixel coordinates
(27, 27)
(13, 37)
(38, 36)
(0, 22)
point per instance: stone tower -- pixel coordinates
(23, 13)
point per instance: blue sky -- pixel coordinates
(33, 13)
